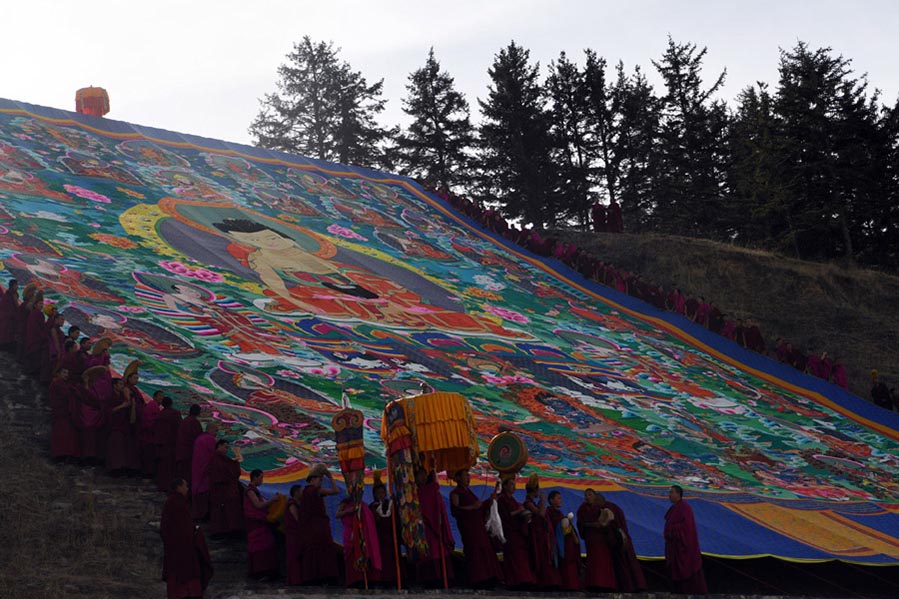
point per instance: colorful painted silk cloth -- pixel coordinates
(264, 285)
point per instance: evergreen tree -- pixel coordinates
(831, 152)
(435, 146)
(358, 139)
(756, 203)
(515, 149)
(566, 88)
(692, 163)
(602, 123)
(885, 226)
(633, 161)
(322, 109)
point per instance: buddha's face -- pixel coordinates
(186, 292)
(265, 239)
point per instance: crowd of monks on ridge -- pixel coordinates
(608, 219)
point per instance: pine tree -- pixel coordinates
(566, 88)
(831, 152)
(756, 203)
(322, 109)
(884, 249)
(358, 139)
(434, 148)
(634, 160)
(691, 177)
(515, 149)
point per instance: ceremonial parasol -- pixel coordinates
(434, 431)
(92, 100)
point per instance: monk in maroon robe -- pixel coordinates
(614, 219)
(188, 432)
(36, 339)
(69, 359)
(826, 366)
(516, 528)
(292, 534)
(728, 328)
(146, 426)
(84, 351)
(137, 397)
(186, 567)
(437, 566)
(753, 336)
(165, 432)
(683, 560)
(598, 217)
(628, 572)
(89, 418)
(798, 359)
(262, 558)
(9, 311)
(820, 366)
(64, 440)
(716, 319)
(740, 333)
(225, 492)
(541, 540)
(318, 555)
(121, 454)
(361, 550)
(593, 526)
(204, 449)
(691, 307)
(781, 350)
(388, 536)
(481, 564)
(20, 326)
(55, 339)
(567, 553)
(838, 374)
(702, 312)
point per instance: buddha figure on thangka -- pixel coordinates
(304, 272)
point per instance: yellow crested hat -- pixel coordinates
(100, 346)
(29, 290)
(131, 369)
(317, 470)
(93, 372)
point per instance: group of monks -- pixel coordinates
(106, 420)
(540, 544)
(819, 365)
(695, 308)
(98, 418)
(607, 219)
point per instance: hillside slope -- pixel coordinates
(848, 312)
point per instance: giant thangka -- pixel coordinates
(263, 285)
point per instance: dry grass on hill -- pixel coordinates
(846, 311)
(67, 531)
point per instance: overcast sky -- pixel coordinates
(200, 66)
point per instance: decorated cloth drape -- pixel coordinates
(262, 285)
